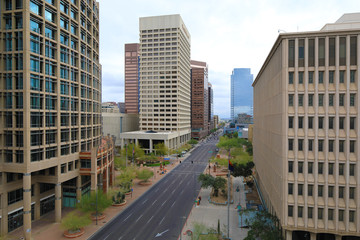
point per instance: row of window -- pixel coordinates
(331, 145)
(341, 121)
(321, 74)
(320, 213)
(341, 168)
(331, 99)
(320, 191)
(332, 42)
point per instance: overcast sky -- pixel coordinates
(226, 34)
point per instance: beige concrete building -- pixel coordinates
(164, 79)
(132, 52)
(50, 107)
(306, 131)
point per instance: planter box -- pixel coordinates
(102, 216)
(67, 234)
(145, 183)
(119, 204)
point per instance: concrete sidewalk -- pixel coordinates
(209, 214)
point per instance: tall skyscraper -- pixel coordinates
(199, 100)
(164, 82)
(306, 131)
(241, 92)
(50, 107)
(132, 57)
(211, 106)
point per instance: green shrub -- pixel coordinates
(73, 222)
(145, 174)
(88, 203)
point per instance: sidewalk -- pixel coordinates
(209, 214)
(46, 228)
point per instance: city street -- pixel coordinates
(162, 211)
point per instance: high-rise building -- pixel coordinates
(164, 83)
(306, 131)
(50, 107)
(132, 57)
(199, 100)
(241, 92)
(211, 107)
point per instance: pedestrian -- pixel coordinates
(199, 199)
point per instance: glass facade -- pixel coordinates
(241, 92)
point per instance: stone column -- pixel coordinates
(4, 214)
(288, 235)
(151, 145)
(27, 205)
(312, 236)
(78, 189)
(58, 202)
(37, 200)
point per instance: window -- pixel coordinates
(311, 52)
(291, 100)
(291, 77)
(332, 51)
(49, 32)
(331, 122)
(310, 98)
(353, 50)
(35, 26)
(341, 145)
(321, 122)
(300, 189)
(352, 146)
(310, 190)
(301, 77)
(291, 144)
(291, 167)
(291, 122)
(301, 45)
(331, 191)
(352, 169)
(341, 192)
(300, 123)
(342, 51)
(351, 216)
(301, 100)
(300, 212)
(320, 190)
(331, 76)
(310, 122)
(352, 122)
(35, 8)
(311, 141)
(300, 167)
(300, 144)
(310, 167)
(330, 214)
(341, 215)
(331, 100)
(321, 100)
(311, 77)
(290, 211)
(352, 76)
(341, 169)
(310, 212)
(352, 99)
(15, 196)
(321, 77)
(64, 23)
(49, 15)
(341, 99)
(291, 59)
(320, 168)
(342, 76)
(321, 51)
(64, 7)
(320, 213)
(290, 188)
(331, 145)
(352, 193)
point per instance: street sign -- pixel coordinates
(210, 151)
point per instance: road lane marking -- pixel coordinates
(173, 204)
(107, 236)
(145, 201)
(150, 219)
(127, 217)
(139, 218)
(157, 190)
(181, 191)
(163, 203)
(161, 220)
(154, 202)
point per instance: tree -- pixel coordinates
(145, 174)
(235, 135)
(161, 149)
(192, 141)
(126, 177)
(73, 222)
(263, 226)
(138, 151)
(243, 169)
(209, 181)
(91, 203)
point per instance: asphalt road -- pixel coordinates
(161, 212)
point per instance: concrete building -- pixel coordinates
(116, 123)
(111, 107)
(50, 106)
(164, 82)
(121, 106)
(241, 92)
(216, 121)
(199, 100)
(132, 58)
(211, 107)
(306, 131)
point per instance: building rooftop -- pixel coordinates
(346, 21)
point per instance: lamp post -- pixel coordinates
(126, 155)
(228, 199)
(97, 193)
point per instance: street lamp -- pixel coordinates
(97, 193)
